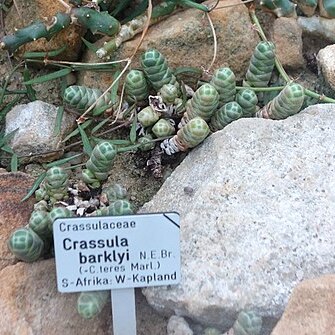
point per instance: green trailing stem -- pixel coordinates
(280, 7)
(136, 87)
(26, 245)
(163, 128)
(135, 26)
(90, 304)
(188, 136)
(99, 164)
(288, 102)
(192, 4)
(82, 97)
(35, 31)
(228, 113)
(247, 323)
(248, 100)
(224, 81)
(96, 22)
(204, 102)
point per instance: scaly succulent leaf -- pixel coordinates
(163, 128)
(248, 100)
(90, 304)
(203, 104)
(230, 112)
(189, 136)
(82, 97)
(99, 164)
(136, 87)
(26, 245)
(224, 81)
(288, 102)
(156, 69)
(261, 65)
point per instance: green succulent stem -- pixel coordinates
(261, 89)
(96, 22)
(279, 66)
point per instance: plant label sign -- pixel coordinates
(117, 252)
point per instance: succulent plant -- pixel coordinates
(280, 7)
(288, 102)
(26, 245)
(39, 222)
(248, 100)
(163, 127)
(147, 117)
(261, 65)
(224, 81)
(203, 104)
(57, 213)
(55, 185)
(114, 192)
(90, 304)
(99, 164)
(188, 136)
(97, 22)
(82, 97)
(156, 69)
(230, 112)
(146, 143)
(136, 87)
(327, 8)
(35, 31)
(118, 207)
(247, 323)
(169, 93)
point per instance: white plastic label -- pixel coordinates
(114, 252)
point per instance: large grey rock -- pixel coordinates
(318, 27)
(326, 63)
(259, 220)
(35, 134)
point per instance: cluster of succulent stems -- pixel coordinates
(165, 114)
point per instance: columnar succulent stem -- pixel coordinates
(96, 22)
